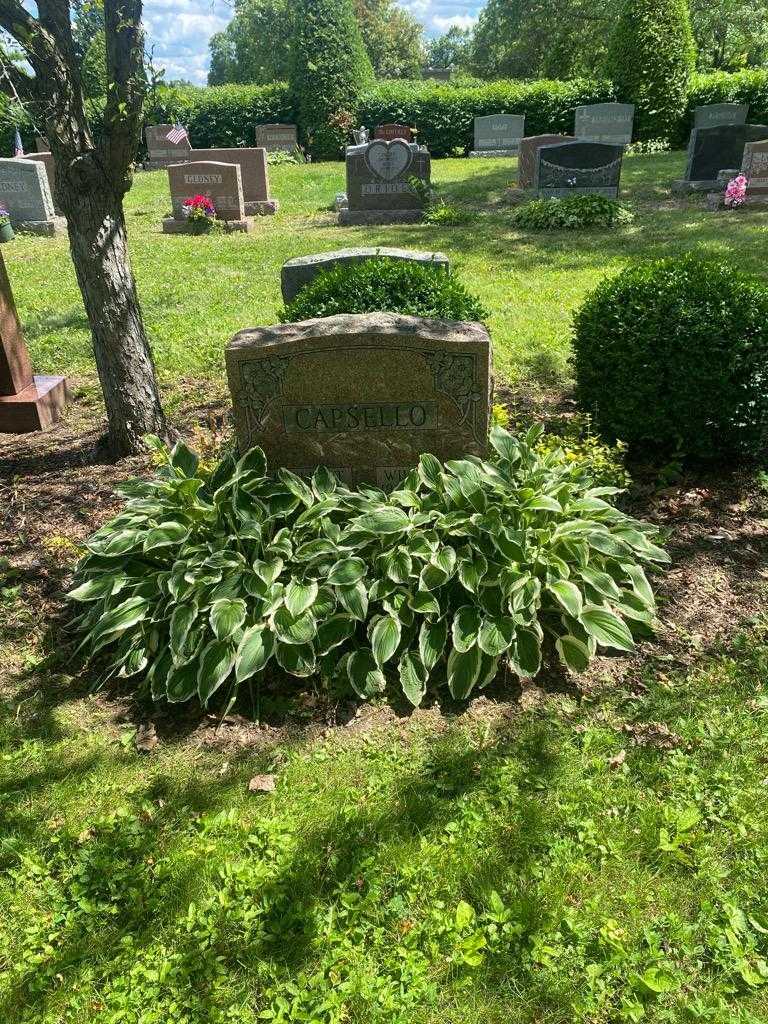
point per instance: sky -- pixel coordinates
(179, 30)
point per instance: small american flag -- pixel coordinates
(18, 148)
(176, 134)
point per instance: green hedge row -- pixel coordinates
(225, 115)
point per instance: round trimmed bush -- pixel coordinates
(675, 352)
(385, 286)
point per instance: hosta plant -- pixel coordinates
(205, 580)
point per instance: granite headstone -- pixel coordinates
(498, 135)
(46, 159)
(162, 152)
(754, 167)
(221, 182)
(713, 114)
(25, 193)
(277, 138)
(578, 168)
(379, 188)
(389, 132)
(253, 172)
(526, 160)
(363, 394)
(300, 271)
(605, 122)
(712, 149)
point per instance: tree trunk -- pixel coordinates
(98, 243)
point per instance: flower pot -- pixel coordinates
(6, 232)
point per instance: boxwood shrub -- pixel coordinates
(387, 286)
(675, 353)
(203, 579)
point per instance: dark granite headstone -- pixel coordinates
(714, 114)
(712, 149)
(605, 122)
(526, 160)
(379, 188)
(364, 395)
(578, 168)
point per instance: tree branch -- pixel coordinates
(127, 86)
(28, 33)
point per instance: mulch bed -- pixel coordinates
(57, 488)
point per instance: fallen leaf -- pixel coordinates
(262, 784)
(146, 737)
(618, 760)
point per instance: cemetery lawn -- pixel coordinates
(544, 855)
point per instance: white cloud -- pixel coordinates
(454, 21)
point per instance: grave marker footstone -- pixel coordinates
(163, 152)
(221, 182)
(299, 272)
(364, 395)
(578, 168)
(710, 150)
(714, 114)
(605, 122)
(253, 172)
(277, 137)
(27, 402)
(526, 160)
(379, 189)
(498, 135)
(25, 193)
(389, 132)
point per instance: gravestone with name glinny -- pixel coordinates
(388, 132)
(577, 168)
(222, 183)
(277, 137)
(363, 394)
(711, 150)
(253, 174)
(27, 402)
(163, 152)
(302, 270)
(379, 190)
(498, 135)
(25, 194)
(714, 114)
(605, 122)
(526, 160)
(754, 167)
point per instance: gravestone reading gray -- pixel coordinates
(363, 394)
(605, 122)
(498, 134)
(253, 172)
(27, 402)
(221, 183)
(379, 189)
(46, 159)
(754, 167)
(439, 74)
(526, 160)
(712, 149)
(277, 138)
(389, 132)
(300, 271)
(578, 168)
(714, 114)
(25, 194)
(163, 152)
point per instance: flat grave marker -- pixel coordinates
(363, 394)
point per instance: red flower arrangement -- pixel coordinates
(199, 209)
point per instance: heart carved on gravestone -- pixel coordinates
(387, 160)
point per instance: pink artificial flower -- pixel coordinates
(736, 191)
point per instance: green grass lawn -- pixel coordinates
(197, 292)
(544, 857)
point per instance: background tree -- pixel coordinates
(392, 37)
(329, 69)
(453, 49)
(255, 46)
(651, 61)
(730, 34)
(92, 176)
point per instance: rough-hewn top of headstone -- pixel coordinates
(298, 272)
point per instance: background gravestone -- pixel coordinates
(578, 168)
(713, 149)
(41, 144)
(299, 272)
(27, 402)
(46, 159)
(25, 193)
(498, 135)
(379, 190)
(755, 167)
(388, 132)
(221, 182)
(363, 394)
(162, 152)
(526, 160)
(277, 137)
(439, 74)
(253, 173)
(605, 122)
(714, 114)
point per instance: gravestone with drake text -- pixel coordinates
(380, 183)
(363, 394)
